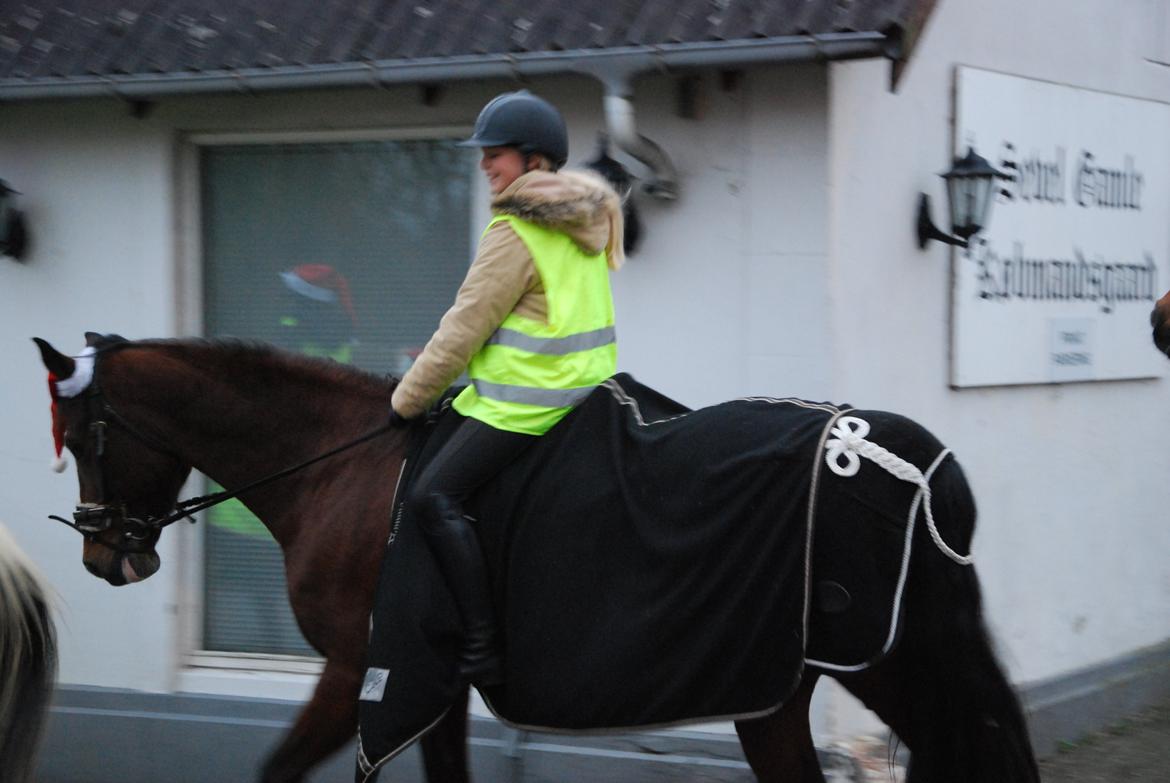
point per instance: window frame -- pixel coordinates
(264, 675)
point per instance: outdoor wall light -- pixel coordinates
(12, 232)
(970, 186)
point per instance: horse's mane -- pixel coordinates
(28, 660)
(242, 354)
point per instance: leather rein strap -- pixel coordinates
(187, 507)
(85, 514)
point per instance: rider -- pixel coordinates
(532, 325)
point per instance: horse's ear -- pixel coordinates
(55, 362)
(99, 341)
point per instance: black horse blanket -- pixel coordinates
(650, 564)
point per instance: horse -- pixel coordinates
(144, 413)
(1160, 321)
(28, 660)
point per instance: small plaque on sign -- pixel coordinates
(375, 684)
(1070, 349)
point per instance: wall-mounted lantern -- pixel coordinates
(12, 232)
(970, 187)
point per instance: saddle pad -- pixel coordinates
(649, 567)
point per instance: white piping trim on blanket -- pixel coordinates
(896, 610)
(397, 515)
(814, 486)
(593, 732)
(850, 442)
(82, 375)
(369, 769)
(817, 406)
(623, 398)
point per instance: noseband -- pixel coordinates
(92, 519)
(139, 535)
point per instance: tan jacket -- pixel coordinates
(503, 278)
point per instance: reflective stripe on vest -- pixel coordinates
(531, 373)
(530, 395)
(554, 346)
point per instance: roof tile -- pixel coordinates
(73, 38)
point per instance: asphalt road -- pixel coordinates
(1136, 750)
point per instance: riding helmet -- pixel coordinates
(525, 121)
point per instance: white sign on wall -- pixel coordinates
(1060, 286)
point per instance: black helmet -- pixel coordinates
(522, 120)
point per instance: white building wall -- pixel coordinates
(1070, 479)
(725, 297)
(97, 204)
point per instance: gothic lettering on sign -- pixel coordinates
(1035, 177)
(1102, 186)
(1015, 276)
(1043, 178)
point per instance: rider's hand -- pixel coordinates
(396, 419)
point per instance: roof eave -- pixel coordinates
(601, 63)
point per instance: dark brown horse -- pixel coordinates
(1160, 320)
(28, 661)
(237, 412)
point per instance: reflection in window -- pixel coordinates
(346, 250)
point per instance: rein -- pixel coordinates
(187, 507)
(92, 518)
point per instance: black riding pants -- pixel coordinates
(472, 456)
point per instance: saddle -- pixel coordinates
(650, 566)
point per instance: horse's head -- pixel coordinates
(1160, 320)
(127, 477)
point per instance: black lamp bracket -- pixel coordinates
(927, 230)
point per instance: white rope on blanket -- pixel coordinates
(850, 445)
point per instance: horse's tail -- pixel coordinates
(977, 732)
(28, 661)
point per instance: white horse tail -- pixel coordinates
(28, 661)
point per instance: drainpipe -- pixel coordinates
(619, 121)
(622, 130)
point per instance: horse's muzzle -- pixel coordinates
(137, 566)
(125, 568)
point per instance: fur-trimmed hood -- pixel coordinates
(578, 203)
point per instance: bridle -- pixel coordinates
(93, 519)
(140, 534)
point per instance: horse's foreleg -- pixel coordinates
(779, 747)
(886, 691)
(444, 748)
(326, 723)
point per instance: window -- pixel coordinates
(350, 250)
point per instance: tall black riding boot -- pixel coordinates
(456, 548)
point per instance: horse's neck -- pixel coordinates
(236, 429)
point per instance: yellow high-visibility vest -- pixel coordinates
(529, 374)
